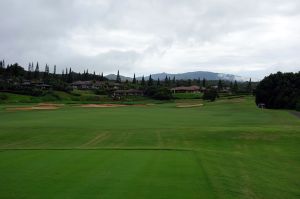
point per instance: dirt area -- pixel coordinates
(102, 105)
(188, 105)
(41, 106)
(108, 105)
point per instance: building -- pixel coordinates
(82, 85)
(186, 89)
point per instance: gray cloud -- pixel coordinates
(250, 38)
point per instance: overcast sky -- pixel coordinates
(246, 37)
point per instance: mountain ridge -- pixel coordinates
(185, 76)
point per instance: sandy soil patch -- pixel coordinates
(41, 106)
(188, 105)
(108, 105)
(102, 105)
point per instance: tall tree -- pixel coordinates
(37, 71)
(166, 80)
(150, 81)
(204, 82)
(143, 81)
(70, 76)
(118, 80)
(249, 86)
(54, 70)
(220, 85)
(235, 87)
(134, 79)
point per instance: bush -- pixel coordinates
(210, 95)
(162, 93)
(101, 92)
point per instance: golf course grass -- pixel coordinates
(225, 149)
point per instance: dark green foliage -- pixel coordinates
(134, 79)
(204, 82)
(210, 95)
(37, 71)
(249, 87)
(14, 70)
(235, 87)
(159, 93)
(150, 81)
(220, 85)
(118, 80)
(143, 83)
(279, 91)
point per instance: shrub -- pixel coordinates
(210, 95)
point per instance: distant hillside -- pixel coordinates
(185, 76)
(198, 74)
(114, 77)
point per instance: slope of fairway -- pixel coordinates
(227, 149)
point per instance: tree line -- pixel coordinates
(279, 91)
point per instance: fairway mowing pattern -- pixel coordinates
(99, 174)
(227, 149)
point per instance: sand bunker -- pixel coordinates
(102, 105)
(41, 106)
(188, 105)
(109, 105)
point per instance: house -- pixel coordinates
(81, 85)
(186, 89)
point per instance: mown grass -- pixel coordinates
(225, 149)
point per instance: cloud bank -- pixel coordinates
(251, 38)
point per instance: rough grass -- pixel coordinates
(226, 149)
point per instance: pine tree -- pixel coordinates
(37, 71)
(204, 82)
(235, 87)
(70, 76)
(199, 81)
(166, 81)
(134, 79)
(174, 80)
(29, 67)
(143, 81)
(46, 72)
(54, 70)
(150, 81)
(220, 85)
(158, 82)
(118, 80)
(249, 86)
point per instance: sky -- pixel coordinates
(250, 38)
